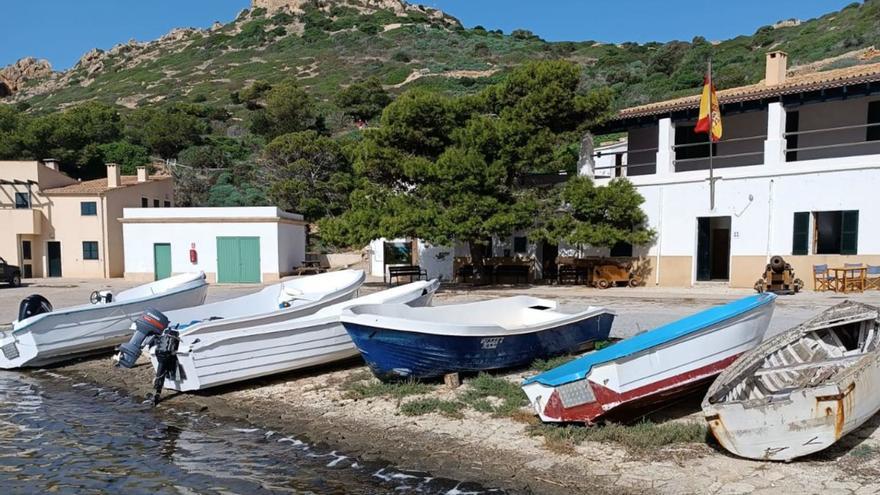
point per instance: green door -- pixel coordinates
(161, 261)
(238, 260)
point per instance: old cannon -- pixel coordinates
(779, 278)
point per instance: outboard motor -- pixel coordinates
(166, 357)
(102, 297)
(152, 329)
(147, 327)
(33, 305)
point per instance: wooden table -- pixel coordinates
(848, 274)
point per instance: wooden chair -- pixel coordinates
(872, 280)
(822, 280)
(855, 279)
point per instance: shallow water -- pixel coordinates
(58, 436)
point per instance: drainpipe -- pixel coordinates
(104, 236)
(770, 220)
(659, 239)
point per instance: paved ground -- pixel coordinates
(637, 309)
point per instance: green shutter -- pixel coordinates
(849, 232)
(801, 238)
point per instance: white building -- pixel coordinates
(798, 172)
(231, 245)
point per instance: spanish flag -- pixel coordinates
(710, 111)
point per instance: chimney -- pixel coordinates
(777, 66)
(113, 179)
(142, 174)
(51, 163)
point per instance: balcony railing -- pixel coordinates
(792, 152)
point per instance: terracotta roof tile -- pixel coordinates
(99, 186)
(793, 84)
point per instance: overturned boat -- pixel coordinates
(801, 391)
(653, 366)
(43, 335)
(402, 342)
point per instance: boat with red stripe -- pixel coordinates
(651, 367)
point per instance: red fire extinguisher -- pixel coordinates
(193, 255)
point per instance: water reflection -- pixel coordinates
(57, 436)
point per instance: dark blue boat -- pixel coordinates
(400, 342)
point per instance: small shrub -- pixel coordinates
(485, 386)
(548, 364)
(640, 436)
(375, 388)
(401, 56)
(419, 407)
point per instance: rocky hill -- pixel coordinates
(328, 44)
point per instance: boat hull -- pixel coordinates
(653, 375)
(818, 399)
(210, 359)
(398, 354)
(62, 335)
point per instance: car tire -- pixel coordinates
(15, 281)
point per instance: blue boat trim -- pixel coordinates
(580, 368)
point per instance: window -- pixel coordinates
(836, 232)
(88, 208)
(792, 124)
(145, 203)
(520, 245)
(168, 204)
(801, 239)
(873, 132)
(622, 250)
(22, 200)
(90, 250)
(155, 203)
(685, 135)
(25, 250)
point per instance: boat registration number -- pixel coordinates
(491, 342)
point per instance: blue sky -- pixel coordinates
(62, 30)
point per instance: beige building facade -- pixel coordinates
(62, 227)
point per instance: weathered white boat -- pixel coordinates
(651, 367)
(56, 335)
(802, 390)
(213, 356)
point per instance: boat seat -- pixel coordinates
(802, 366)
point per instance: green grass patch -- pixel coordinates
(548, 364)
(375, 388)
(601, 344)
(640, 436)
(419, 407)
(508, 396)
(863, 451)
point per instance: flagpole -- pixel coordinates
(709, 134)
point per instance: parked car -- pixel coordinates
(10, 274)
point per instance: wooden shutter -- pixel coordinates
(849, 232)
(801, 238)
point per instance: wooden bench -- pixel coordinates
(413, 272)
(572, 275)
(310, 267)
(515, 272)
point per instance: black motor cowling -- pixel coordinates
(166, 360)
(33, 305)
(148, 326)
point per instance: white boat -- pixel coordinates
(279, 302)
(801, 391)
(62, 334)
(652, 367)
(214, 356)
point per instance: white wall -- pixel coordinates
(282, 244)
(761, 202)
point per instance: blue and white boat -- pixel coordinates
(401, 342)
(653, 366)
